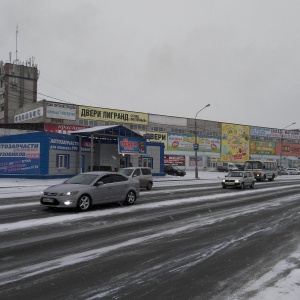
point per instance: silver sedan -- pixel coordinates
(86, 189)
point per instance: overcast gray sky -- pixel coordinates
(168, 57)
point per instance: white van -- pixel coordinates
(143, 174)
(226, 167)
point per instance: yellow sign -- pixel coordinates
(112, 115)
(160, 137)
(235, 142)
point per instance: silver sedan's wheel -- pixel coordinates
(84, 203)
(252, 185)
(149, 186)
(130, 198)
(242, 185)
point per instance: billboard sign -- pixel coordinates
(185, 142)
(131, 145)
(112, 115)
(174, 160)
(20, 158)
(235, 142)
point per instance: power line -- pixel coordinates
(31, 91)
(51, 97)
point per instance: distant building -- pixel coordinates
(18, 87)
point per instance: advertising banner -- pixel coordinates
(199, 161)
(61, 128)
(69, 145)
(19, 158)
(260, 131)
(112, 115)
(275, 133)
(174, 160)
(258, 147)
(132, 145)
(235, 142)
(185, 142)
(28, 115)
(160, 137)
(61, 111)
(288, 149)
(286, 134)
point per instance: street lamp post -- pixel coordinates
(281, 141)
(196, 144)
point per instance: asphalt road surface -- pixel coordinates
(188, 242)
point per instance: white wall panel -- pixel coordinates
(168, 120)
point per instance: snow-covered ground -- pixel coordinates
(287, 288)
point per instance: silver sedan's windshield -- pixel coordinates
(82, 179)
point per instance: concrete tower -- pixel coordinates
(18, 86)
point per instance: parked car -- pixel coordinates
(239, 179)
(85, 189)
(143, 175)
(292, 171)
(174, 170)
(226, 167)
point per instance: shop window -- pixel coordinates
(62, 161)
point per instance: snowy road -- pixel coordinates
(177, 242)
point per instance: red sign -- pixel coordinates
(288, 149)
(62, 128)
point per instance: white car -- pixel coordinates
(142, 174)
(292, 171)
(240, 179)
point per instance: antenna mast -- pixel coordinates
(17, 44)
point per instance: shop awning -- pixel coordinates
(111, 132)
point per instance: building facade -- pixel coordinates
(216, 141)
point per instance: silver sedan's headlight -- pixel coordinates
(237, 181)
(69, 193)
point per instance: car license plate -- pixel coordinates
(48, 200)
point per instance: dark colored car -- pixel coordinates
(173, 170)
